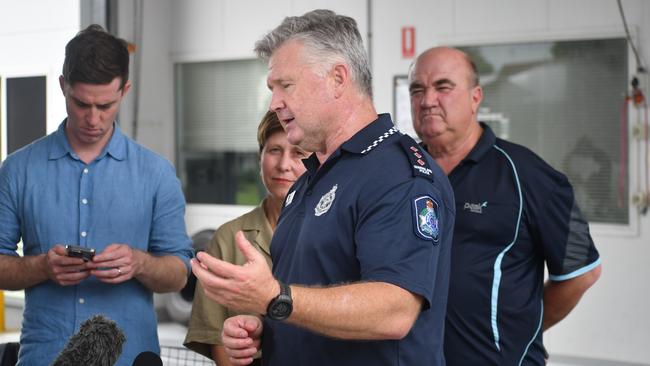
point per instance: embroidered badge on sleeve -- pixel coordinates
(426, 218)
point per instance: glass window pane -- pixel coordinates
(25, 111)
(563, 100)
(219, 106)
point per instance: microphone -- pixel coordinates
(97, 343)
(147, 358)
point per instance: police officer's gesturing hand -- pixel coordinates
(246, 288)
(241, 338)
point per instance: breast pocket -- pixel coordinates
(50, 215)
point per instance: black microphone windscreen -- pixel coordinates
(97, 343)
(147, 358)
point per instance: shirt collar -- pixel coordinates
(311, 163)
(256, 221)
(368, 137)
(362, 142)
(484, 144)
(116, 145)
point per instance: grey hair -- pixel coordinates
(329, 37)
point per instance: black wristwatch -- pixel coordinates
(281, 306)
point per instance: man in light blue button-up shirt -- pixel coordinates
(87, 184)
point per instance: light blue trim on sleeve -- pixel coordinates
(575, 273)
(496, 281)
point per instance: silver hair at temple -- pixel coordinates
(328, 38)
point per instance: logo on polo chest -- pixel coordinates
(326, 201)
(475, 207)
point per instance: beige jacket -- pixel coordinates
(206, 323)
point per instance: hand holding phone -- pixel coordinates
(76, 251)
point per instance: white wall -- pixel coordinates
(154, 82)
(33, 35)
(194, 31)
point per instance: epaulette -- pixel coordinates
(416, 156)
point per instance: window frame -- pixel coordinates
(51, 99)
(632, 229)
(201, 216)
(196, 210)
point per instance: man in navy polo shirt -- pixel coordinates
(364, 237)
(514, 213)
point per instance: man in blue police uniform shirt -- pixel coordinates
(514, 213)
(364, 236)
(90, 185)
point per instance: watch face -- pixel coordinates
(280, 309)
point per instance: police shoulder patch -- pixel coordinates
(416, 157)
(426, 220)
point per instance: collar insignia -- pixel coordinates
(289, 198)
(379, 140)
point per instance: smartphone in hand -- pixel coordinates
(76, 251)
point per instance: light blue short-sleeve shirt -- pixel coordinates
(127, 195)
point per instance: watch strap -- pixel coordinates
(285, 289)
(281, 306)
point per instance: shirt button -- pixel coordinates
(308, 193)
(83, 233)
(84, 201)
(85, 170)
(81, 300)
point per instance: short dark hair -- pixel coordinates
(269, 125)
(95, 56)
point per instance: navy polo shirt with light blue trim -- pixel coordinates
(514, 213)
(378, 210)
